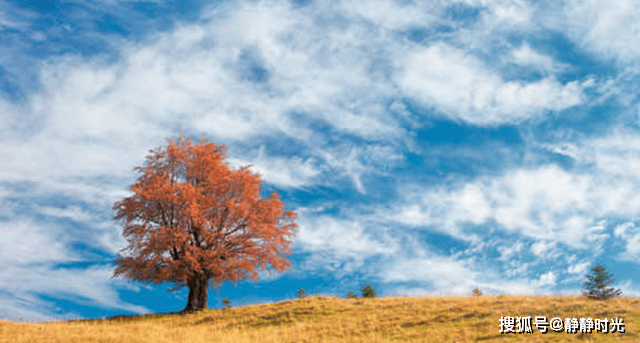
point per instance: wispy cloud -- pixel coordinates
(458, 84)
(543, 203)
(528, 57)
(610, 29)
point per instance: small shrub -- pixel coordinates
(368, 291)
(301, 293)
(351, 295)
(476, 292)
(226, 302)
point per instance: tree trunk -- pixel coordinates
(190, 300)
(202, 294)
(197, 300)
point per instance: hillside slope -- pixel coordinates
(330, 319)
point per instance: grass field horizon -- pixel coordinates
(319, 318)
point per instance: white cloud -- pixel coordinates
(344, 238)
(440, 273)
(13, 17)
(515, 12)
(390, 14)
(30, 250)
(620, 230)
(526, 56)
(615, 154)
(452, 277)
(544, 249)
(263, 275)
(508, 251)
(24, 241)
(283, 172)
(6, 23)
(628, 288)
(609, 29)
(92, 285)
(459, 85)
(72, 212)
(557, 208)
(520, 269)
(101, 118)
(473, 204)
(612, 160)
(580, 268)
(545, 203)
(111, 240)
(633, 245)
(548, 278)
(27, 308)
(9, 121)
(564, 148)
(349, 163)
(354, 161)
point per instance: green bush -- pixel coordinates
(301, 293)
(368, 291)
(351, 295)
(226, 302)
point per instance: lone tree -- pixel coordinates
(301, 293)
(193, 220)
(368, 291)
(596, 287)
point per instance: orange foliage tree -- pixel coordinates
(193, 220)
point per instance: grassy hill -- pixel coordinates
(330, 319)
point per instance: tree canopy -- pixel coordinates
(597, 288)
(193, 219)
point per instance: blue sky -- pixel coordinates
(429, 147)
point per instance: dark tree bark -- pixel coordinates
(190, 302)
(202, 294)
(198, 290)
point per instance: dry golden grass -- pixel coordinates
(330, 319)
